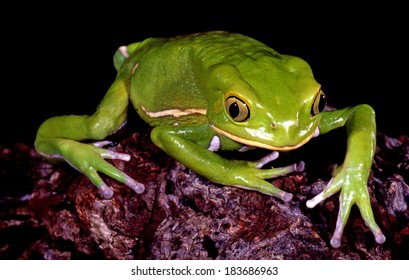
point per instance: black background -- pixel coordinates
(57, 60)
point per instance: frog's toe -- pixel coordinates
(280, 171)
(108, 154)
(267, 159)
(340, 225)
(331, 188)
(103, 189)
(274, 191)
(367, 215)
(106, 191)
(379, 237)
(316, 200)
(296, 167)
(115, 155)
(101, 144)
(286, 197)
(336, 241)
(136, 186)
(336, 238)
(254, 183)
(299, 167)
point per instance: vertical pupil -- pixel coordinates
(234, 110)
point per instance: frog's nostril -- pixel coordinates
(273, 125)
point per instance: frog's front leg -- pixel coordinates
(352, 176)
(188, 145)
(59, 138)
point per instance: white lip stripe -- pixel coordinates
(174, 112)
(254, 143)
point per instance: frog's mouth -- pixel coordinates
(253, 143)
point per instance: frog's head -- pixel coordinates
(272, 102)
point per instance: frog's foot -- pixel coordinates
(90, 160)
(353, 192)
(264, 186)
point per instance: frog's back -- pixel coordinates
(219, 46)
(164, 75)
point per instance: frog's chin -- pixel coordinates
(262, 145)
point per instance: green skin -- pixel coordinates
(219, 91)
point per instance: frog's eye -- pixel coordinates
(319, 103)
(237, 109)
